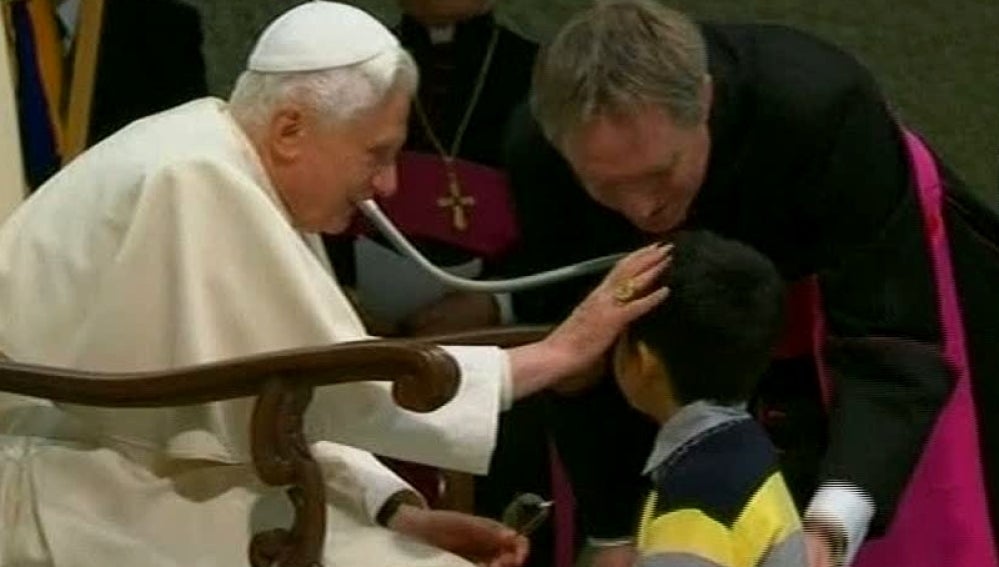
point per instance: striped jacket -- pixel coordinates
(718, 498)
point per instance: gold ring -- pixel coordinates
(625, 291)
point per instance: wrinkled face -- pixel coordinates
(443, 12)
(323, 170)
(642, 165)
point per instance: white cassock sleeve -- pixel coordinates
(452, 437)
(415, 436)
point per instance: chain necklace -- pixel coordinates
(454, 199)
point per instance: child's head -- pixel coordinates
(712, 337)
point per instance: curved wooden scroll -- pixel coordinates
(424, 377)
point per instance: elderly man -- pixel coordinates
(190, 237)
(773, 137)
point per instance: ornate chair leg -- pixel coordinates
(281, 456)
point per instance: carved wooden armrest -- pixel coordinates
(424, 377)
(505, 337)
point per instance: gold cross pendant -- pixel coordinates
(455, 201)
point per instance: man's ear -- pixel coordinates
(286, 134)
(623, 353)
(635, 359)
(646, 363)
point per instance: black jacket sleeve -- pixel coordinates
(876, 280)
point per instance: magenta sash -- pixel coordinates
(942, 518)
(424, 207)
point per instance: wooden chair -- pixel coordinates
(423, 377)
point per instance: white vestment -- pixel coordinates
(165, 246)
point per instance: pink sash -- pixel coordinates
(425, 204)
(942, 519)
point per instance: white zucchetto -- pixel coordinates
(319, 35)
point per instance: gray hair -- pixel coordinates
(617, 55)
(335, 95)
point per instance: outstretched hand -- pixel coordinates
(480, 540)
(625, 294)
(572, 356)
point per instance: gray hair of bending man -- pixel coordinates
(334, 95)
(614, 57)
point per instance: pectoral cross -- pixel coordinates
(455, 200)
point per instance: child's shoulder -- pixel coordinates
(718, 473)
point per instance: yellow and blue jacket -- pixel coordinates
(718, 498)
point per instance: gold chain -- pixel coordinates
(472, 103)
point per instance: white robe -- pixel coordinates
(165, 246)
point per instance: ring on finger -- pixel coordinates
(625, 291)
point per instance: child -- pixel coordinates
(718, 498)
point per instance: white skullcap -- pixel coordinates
(319, 35)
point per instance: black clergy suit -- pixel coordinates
(807, 165)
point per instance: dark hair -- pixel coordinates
(716, 331)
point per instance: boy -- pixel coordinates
(718, 498)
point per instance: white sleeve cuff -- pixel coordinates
(379, 490)
(358, 477)
(504, 304)
(847, 505)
